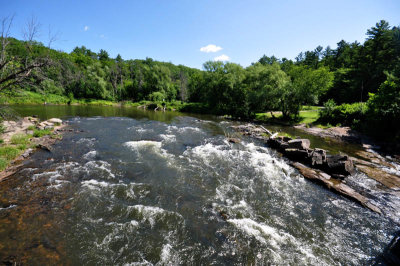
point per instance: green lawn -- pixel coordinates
(308, 115)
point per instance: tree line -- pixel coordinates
(350, 73)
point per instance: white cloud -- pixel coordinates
(223, 57)
(102, 36)
(86, 28)
(211, 48)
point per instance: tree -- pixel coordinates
(306, 86)
(384, 107)
(15, 70)
(103, 55)
(265, 85)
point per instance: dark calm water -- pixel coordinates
(144, 188)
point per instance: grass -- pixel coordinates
(9, 152)
(308, 115)
(29, 97)
(37, 133)
(18, 144)
(20, 139)
(3, 164)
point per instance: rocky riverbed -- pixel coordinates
(48, 132)
(332, 171)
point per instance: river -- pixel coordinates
(137, 187)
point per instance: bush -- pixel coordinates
(346, 114)
(384, 109)
(199, 108)
(327, 111)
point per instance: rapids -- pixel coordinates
(141, 190)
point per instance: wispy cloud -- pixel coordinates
(102, 36)
(211, 48)
(86, 28)
(223, 57)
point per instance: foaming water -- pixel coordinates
(143, 192)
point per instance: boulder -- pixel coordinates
(234, 140)
(318, 157)
(301, 144)
(286, 139)
(339, 164)
(44, 147)
(278, 144)
(297, 155)
(55, 121)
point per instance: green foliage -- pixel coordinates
(384, 108)
(20, 139)
(3, 164)
(9, 152)
(349, 73)
(344, 114)
(37, 133)
(327, 112)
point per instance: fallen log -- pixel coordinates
(335, 185)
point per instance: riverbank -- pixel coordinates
(306, 121)
(20, 139)
(28, 97)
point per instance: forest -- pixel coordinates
(357, 83)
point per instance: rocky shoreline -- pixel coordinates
(329, 170)
(27, 125)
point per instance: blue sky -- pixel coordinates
(175, 31)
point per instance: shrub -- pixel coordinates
(346, 114)
(384, 109)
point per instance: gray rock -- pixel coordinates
(302, 144)
(339, 164)
(55, 121)
(297, 154)
(318, 157)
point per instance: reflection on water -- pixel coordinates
(154, 188)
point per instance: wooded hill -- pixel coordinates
(350, 73)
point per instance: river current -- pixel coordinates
(171, 190)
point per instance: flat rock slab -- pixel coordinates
(335, 185)
(383, 177)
